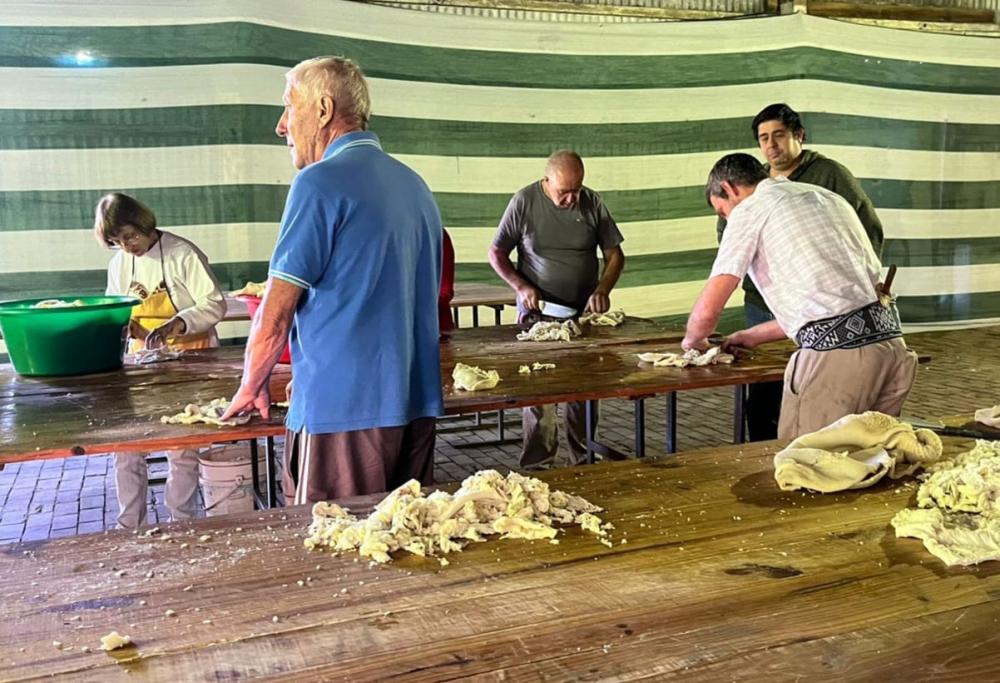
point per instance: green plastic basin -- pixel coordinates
(75, 340)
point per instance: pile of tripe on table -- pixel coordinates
(609, 319)
(210, 413)
(566, 330)
(487, 503)
(958, 501)
(958, 507)
(855, 452)
(713, 356)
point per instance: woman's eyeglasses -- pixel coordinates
(123, 240)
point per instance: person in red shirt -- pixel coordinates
(445, 320)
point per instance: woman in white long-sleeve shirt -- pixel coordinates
(181, 305)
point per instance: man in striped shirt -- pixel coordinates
(807, 253)
(780, 134)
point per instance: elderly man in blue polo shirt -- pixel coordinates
(354, 276)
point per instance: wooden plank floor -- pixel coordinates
(715, 575)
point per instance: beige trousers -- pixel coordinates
(824, 386)
(540, 429)
(132, 483)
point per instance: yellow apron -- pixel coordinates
(156, 309)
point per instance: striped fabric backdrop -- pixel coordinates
(177, 104)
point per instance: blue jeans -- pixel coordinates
(763, 407)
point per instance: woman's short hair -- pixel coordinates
(116, 210)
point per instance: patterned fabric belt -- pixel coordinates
(867, 325)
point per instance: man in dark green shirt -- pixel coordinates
(780, 134)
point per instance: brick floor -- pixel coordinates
(57, 498)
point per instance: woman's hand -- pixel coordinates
(172, 328)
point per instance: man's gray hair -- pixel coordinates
(736, 169)
(564, 160)
(336, 77)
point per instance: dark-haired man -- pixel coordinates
(824, 294)
(780, 135)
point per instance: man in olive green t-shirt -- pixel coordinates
(780, 134)
(557, 227)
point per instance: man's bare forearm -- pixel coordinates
(708, 309)
(504, 267)
(269, 333)
(614, 263)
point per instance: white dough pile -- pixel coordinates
(487, 503)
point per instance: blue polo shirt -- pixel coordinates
(361, 234)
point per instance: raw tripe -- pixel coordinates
(474, 378)
(535, 367)
(967, 483)
(957, 539)
(114, 640)
(608, 319)
(694, 357)
(958, 515)
(58, 303)
(164, 353)
(210, 413)
(551, 331)
(989, 416)
(487, 503)
(251, 289)
(855, 452)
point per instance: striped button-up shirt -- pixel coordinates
(804, 248)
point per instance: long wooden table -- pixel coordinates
(714, 575)
(52, 417)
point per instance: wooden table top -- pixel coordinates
(475, 294)
(501, 340)
(47, 417)
(601, 371)
(723, 577)
(58, 417)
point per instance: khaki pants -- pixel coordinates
(132, 481)
(824, 386)
(344, 464)
(540, 431)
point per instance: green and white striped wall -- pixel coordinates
(177, 104)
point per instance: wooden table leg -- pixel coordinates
(497, 312)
